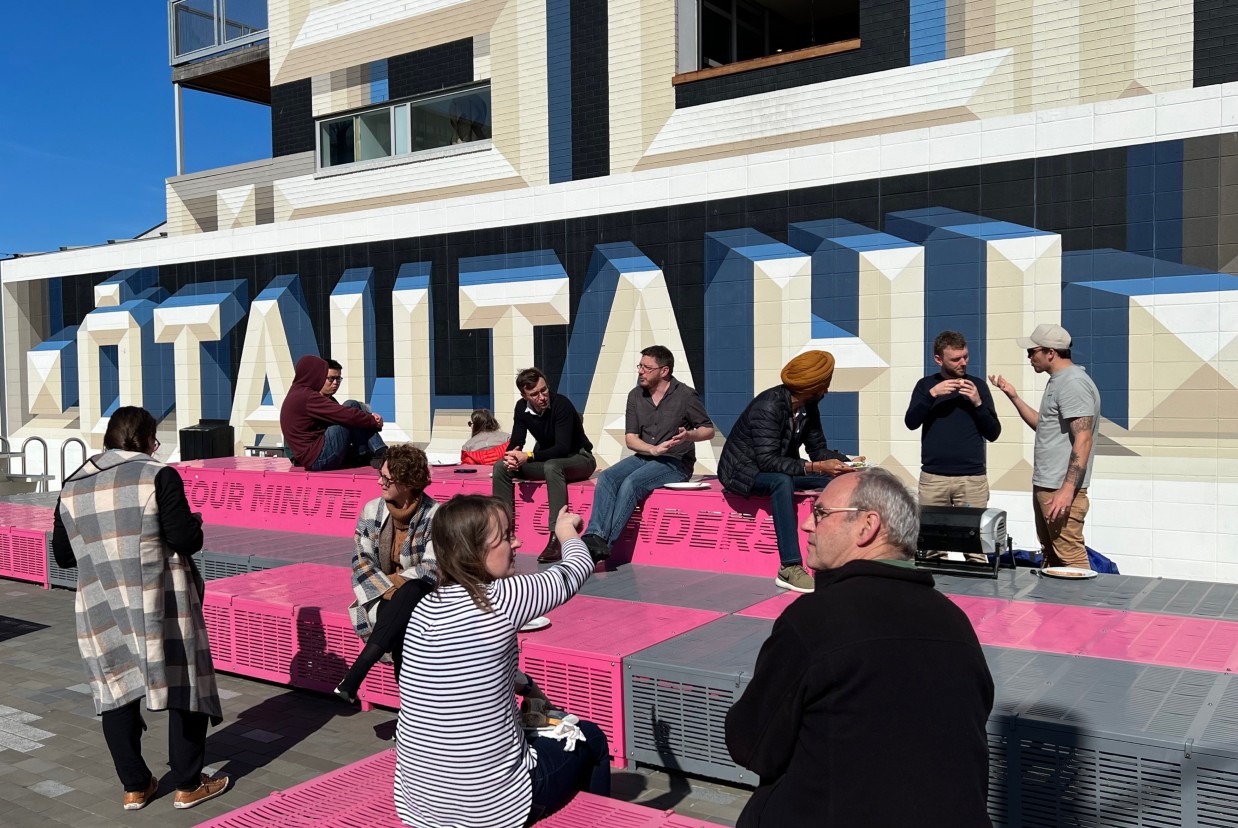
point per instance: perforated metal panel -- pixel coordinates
(1106, 743)
(222, 564)
(677, 694)
(57, 575)
(1069, 778)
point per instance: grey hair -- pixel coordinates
(879, 491)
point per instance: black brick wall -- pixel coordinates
(429, 70)
(590, 90)
(292, 118)
(1216, 41)
(885, 43)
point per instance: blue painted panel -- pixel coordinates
(559, 88)
(134, 282)
(1154, 199)
(109, 379)
(928, 31)
(593, 314)
(840, 421)
(378, 82)
(511, 267)
(835, 246)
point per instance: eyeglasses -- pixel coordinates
(157, 445)
(648, 369)
(335, 379)
(820, 513)
(1031, 352)
(384, 480)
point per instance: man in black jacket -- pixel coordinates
(562, 454)
(869, 700)
(762, 454)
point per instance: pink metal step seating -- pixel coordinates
(23, 542)
(360, 796)
(290, 625)
(707, 529)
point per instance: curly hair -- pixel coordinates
(130, 428)
(408, 467)
(463, 530)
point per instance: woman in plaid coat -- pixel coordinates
(393, 564)
(124, 522)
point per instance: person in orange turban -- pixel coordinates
(762, 454)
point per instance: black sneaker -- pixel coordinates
(553, 553)
(599, 549)
(378, 458)
(341, 693)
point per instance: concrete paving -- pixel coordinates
(55, 769)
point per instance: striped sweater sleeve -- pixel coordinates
(524, 597)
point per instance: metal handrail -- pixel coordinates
(41, 485)
(64, 446)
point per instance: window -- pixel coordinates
(427, 123)
(732, 31)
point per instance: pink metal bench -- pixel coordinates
(578, 660)
(708, 530)
(360, 796)
(290, 625)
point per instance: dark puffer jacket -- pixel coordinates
(761, 441)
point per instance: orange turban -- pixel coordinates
(809, 373)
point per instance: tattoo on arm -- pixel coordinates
(1075, 470)
(1076, 467)
(1081, 424)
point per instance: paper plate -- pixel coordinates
(1072, 573)
(444, 462)
(688, 486)
(539, 623)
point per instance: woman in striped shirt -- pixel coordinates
(463, 760)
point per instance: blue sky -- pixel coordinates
(89, 136)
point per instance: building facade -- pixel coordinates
(463, 188)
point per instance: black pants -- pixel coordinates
(388, 633)
(122, 730)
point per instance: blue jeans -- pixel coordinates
(343, 444)
(560, 774)
(625, 484)
(780, 487)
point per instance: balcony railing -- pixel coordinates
(200, 28)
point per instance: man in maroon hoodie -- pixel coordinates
(323, 434)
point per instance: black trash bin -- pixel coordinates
(209, 438)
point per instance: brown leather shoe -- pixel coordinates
(553, 553)
(136, 800)
(209, 788)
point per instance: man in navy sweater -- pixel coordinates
(562, 453)
(954, 412)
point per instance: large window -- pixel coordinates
(434, 122)
(737, 30)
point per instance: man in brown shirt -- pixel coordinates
(664, 418)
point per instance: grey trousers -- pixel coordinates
(557, 474)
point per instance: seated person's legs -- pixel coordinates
(502, 480)
(560, 774)
(606, 511)
(780, 487)
(558, 473)
(387, 636)
(366, 442)
(335, 446)
(622, 496)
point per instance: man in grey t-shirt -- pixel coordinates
(664, 418)
(1065, 427)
